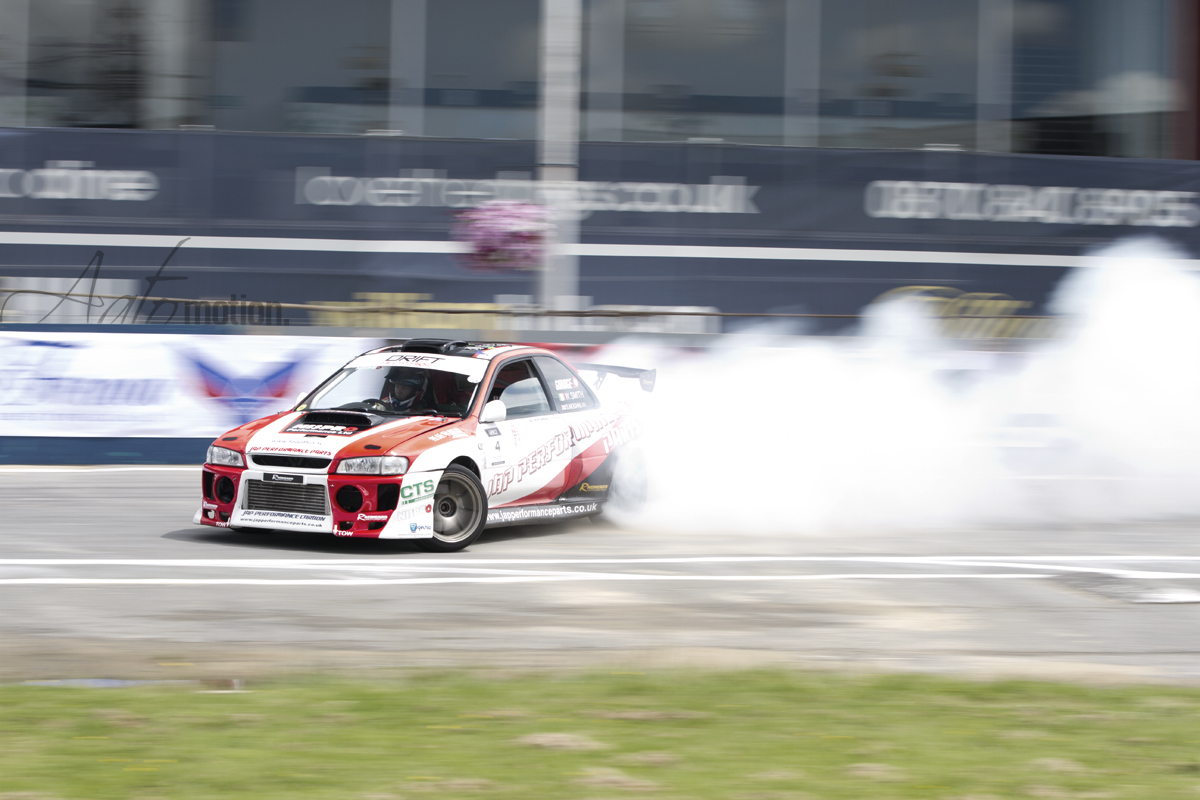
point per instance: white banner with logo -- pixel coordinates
(156, 385)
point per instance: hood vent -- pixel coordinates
(445, 347)
(353, 419)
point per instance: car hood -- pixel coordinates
(307, 434)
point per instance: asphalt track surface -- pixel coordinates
(102, 575)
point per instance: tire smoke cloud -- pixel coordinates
(896, 428)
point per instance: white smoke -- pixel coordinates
(897, 428)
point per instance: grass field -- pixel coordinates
(742, 736)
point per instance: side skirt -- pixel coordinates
(547, 512)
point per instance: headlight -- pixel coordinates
(374, 465)
(224, 456)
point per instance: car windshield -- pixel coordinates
(402, 391)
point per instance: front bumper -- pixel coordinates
(388, 507)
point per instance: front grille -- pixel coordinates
(296, 498)
(293, 462)
(389, 495)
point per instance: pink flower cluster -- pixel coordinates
(504, 234)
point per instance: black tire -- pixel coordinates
(459, 511)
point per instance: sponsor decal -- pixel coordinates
(450, 433)
(616, 431)
(372, 517)
(414, 527)
(275, 477)
(418, 490)
(321, 430)
(523, 513)
(592, 487)
(206, 504)
(268, 517)
(1069, 205)
(415, 360)
(405, 514)
(307, 451)
(492, 431)
(343, 533)
(562, 384)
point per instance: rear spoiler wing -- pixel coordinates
(645, 377)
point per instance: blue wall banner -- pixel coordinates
(131, 385)
(267, 220)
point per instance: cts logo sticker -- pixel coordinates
(417, 489)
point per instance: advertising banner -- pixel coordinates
(156, 385)
(242, 223)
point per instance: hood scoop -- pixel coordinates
(346, 419)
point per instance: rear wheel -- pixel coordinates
(459, 511)
(629, 483)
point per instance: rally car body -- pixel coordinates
(512, 422)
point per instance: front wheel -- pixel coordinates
(459, 511)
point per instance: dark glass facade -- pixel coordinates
(1064, 77)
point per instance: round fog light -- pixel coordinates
(225, 489)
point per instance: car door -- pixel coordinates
(526, 454)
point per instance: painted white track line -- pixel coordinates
(40, 470)
(547, 578)
(466, 570)
(465, 562)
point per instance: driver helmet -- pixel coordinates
(404, 387)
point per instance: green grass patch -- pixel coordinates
(741, 736)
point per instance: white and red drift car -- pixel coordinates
(430, 440)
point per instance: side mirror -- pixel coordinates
(299, 399)
(494, 411)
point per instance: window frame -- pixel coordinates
(554, 402)
(551, 409)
